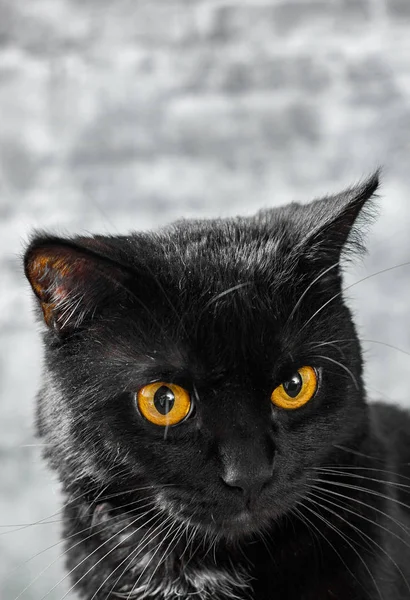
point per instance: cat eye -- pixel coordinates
(297, 390)
(163, 404)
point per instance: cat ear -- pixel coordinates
(335, 225)
(71, 279)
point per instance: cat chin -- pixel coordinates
(241, 525)
(245, 524)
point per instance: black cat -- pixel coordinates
(204, 408)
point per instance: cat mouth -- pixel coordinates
(243, 522)
(223, 518)
(245, 518)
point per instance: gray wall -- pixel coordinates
(127, 114)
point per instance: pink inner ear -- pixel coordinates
(43, 271)
(70, 283)
(49, 274)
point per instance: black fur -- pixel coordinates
(228, 309)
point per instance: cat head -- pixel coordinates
(213, 364)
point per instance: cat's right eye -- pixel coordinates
(164, 404)
(297, 390)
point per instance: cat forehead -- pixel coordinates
(234, 266)
(259, 231)
(238, 245)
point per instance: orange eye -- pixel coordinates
(297, 390)
(163, 404)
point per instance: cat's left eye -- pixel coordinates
(164, 404)
(297, 390)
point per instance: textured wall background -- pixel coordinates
(124, 115)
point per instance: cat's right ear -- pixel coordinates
(334, 226)
(70, 279)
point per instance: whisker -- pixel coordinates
(339, 447)
(217, 297)
(364, 534)
(308, 524)
(178, 536)
(66, 538)
(225, 293)
(365, 504)
(194, 533)
(336, 362)
(402, 486)
(188, 540)
(348, 287)
(344, 538)
(44, 520)
(134, 587)
(144, 542)
(298, 303)
(364, 545)
(88, 556)
(346, 468)
(361, 489)
(166, 296)
(107, 554)
(136, 490)
(362, 340)
(70, 502)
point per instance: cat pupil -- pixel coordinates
(293, 385)
(164, 400)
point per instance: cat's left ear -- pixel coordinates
(334, 226)
(72, 279)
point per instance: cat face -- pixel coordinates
(210, 367)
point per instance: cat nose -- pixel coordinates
(247, 465)
(249, 481)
